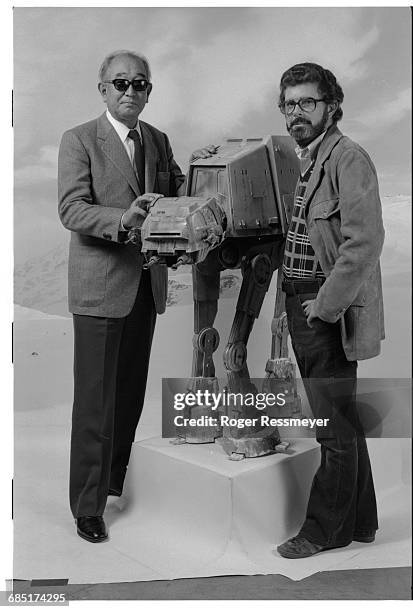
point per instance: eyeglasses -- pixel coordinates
(124, 84)
(307, 105)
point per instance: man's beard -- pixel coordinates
(305, 133)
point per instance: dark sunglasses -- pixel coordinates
(124, 84)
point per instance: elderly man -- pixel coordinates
(105, 167)
(333, 302)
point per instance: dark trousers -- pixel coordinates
(111, 359)
(342, 498)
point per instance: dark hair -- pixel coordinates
(313, 73)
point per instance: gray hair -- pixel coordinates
(109, 59)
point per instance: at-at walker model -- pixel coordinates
(233, 216)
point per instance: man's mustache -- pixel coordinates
(299, 122)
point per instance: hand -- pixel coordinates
(138, 210)
(207, 151)
(308, 307)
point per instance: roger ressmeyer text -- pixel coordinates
(263, 421)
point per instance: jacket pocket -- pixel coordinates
(324, 209)
(324, 229)
(88, 276)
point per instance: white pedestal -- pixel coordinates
(199, 492)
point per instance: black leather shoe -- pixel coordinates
(91, 528)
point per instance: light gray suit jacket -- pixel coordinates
(96, 184)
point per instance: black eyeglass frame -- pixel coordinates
(305, 110)
(127, 84)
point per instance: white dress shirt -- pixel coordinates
(122, 131)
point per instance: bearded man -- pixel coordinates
(332, 281)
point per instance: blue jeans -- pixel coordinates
(342, 498)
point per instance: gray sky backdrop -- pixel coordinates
(215, 73)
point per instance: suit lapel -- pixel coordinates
(326, 146)
(115, 151)
(151, 157)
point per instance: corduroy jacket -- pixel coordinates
(345, 228)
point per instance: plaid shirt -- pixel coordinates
(299, 257)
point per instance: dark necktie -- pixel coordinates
(139, 158)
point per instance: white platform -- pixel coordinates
(196, 510)
(207, 495)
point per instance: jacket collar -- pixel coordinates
(113, 148)
(328, 143)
